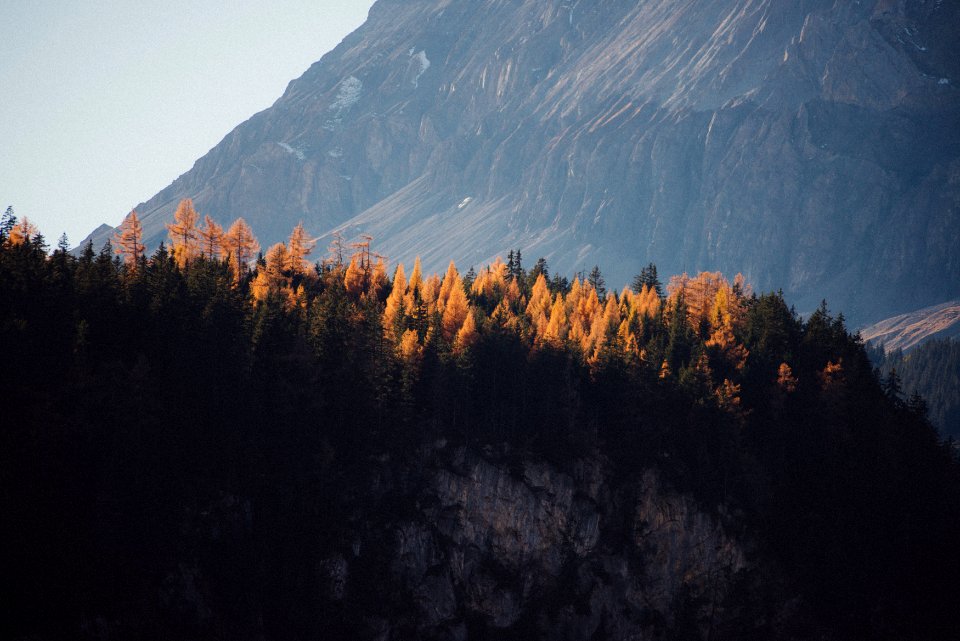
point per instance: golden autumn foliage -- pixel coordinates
(211, 238)
(129, 240)
(299, 247)
(467, 335)
(239, 246)
(23, 232)
(785, 379)
(455, 312)
(183, 233)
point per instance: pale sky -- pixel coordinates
(103, 103)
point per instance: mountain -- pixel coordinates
(907, 331)
(813, 145)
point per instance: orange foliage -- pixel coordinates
(130, 241)
(183, 233)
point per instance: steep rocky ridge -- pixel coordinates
(812, 144)
(907, 331)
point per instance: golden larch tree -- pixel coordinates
(558, 326)
(431, 290)
(378, 279)
(271, 279)
(450, 278)
(129, 241)
(455, 312)
(300, 246)
(183, 232)
(394, 309)
(239, 246)
(23, 231)
(211, 238)
(354, 280)
(540, 300)
(416, 277)
(467, 335)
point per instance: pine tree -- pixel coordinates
(7, 221)
(596, 281)
(130, 241)
(648, 278)
(183, 233)
(239, 246)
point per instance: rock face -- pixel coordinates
(907, 331)
(571, 555)
(813, 145)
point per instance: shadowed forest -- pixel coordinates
(188, 434)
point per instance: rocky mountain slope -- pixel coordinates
(812, 144)
(907, 331)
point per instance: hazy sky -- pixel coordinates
(104, 103)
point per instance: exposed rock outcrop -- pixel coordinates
(526, 545)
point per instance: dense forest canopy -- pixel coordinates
(141, 390)
(931, 371)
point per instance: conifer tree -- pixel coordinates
(467, 336)
(450, 280)
(130, 241)
(239, 246)
(22, 232)
(648, 278)
(211, 238)
(183, 233)
(393, 313)
(596, 281)
(7, 221)
(455, 312)
(300, 246)
(354, 279)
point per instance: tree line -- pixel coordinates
(169, 417)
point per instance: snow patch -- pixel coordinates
(424, 62)
(348, 95)
(465, 202)
(296, 151)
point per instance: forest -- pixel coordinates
(932, 371)
(188, 434)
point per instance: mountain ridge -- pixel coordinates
(810, 145)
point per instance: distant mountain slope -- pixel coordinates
(812, 144)
(907, 331)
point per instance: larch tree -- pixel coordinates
(299, 247)
(129, 241)
(394, 311)
(271, 279)
(211, 238)
(183, 233)
(239, 247)
(467, 335)
(354, 280)
(455, 311)
(450, 280)
(22, 232)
